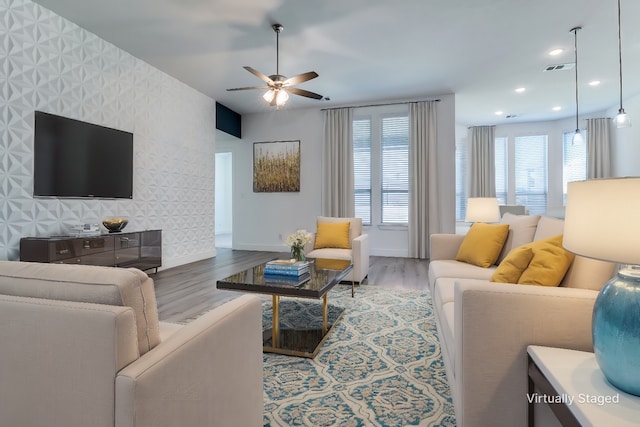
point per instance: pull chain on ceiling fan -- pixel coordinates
(278, 86)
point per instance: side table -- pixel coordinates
(576, 390)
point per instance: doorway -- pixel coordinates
(223, 200)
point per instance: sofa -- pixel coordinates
(82, 346)
(485, 327)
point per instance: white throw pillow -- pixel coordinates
(522, 228)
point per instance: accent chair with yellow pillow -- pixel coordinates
(484, 327)
(341, 239)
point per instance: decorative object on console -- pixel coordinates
(296, 242)
(622, 119)
(601, 223)
(115, 224)
(482, 209)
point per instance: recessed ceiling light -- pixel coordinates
(520, 89)
(557, 108)
(555, 52)
(594, 83)
(499, 113)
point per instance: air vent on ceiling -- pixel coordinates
(560, 67)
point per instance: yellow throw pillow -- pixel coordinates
(333, 235)
(549, 264)
(514, 264)
(482, 244)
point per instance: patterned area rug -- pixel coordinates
(381, 365)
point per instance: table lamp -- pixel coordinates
(482, 209)
(601, 222)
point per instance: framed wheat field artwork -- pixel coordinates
(276, 166)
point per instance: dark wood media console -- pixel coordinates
(139, 249)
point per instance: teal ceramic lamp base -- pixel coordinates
(616, 329)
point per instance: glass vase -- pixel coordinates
(297, 253)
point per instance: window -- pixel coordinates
(395, 170)
(531, 172)
(381, 168)
(574, 161)
(362, 168)
(461, 180)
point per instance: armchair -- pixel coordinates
(357, 253)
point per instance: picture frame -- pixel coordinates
(276, 166)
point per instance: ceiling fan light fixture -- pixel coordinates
(268, 95)
(281, 98)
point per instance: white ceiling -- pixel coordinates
(368, 51)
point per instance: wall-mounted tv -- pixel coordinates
(78, 159)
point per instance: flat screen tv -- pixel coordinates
(78, 159)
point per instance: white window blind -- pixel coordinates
(574, 161)
(395, 170)
(531, 172)
(362, 168)
(501, 169)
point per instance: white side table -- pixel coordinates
(576, 390)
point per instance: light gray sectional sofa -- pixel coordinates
(82, 346)
(485, 327)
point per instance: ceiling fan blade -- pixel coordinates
(303, 92)
(259, 75)
(300, 78)
(248, 88)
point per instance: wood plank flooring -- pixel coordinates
(185, 291)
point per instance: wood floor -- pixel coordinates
(185, 291)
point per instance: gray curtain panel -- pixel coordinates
(598, 148)
(482, 164)
(338, 163)
(424, 216)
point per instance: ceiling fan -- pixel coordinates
(279, 87)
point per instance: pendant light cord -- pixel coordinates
(620, 55)
(575, 50)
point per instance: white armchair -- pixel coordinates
(358, 252)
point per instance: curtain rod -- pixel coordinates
(379, 105)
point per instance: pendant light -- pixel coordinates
(577, 137)
(622, 119)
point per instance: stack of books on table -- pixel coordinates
(287, 272)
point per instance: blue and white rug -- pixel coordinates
(380, 366)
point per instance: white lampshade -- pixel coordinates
(601, 219)
(482, 209)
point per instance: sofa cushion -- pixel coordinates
(447, 316)
(92, 284)
(331, 253)
(333, 235)
(443, 291)
(457, 269)
(512, 267)
(522, 228)
(482, 244)
(549, 264)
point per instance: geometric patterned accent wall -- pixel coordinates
(49, 64)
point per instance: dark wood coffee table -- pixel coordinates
(302, 341)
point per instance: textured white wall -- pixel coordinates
(50, 64)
